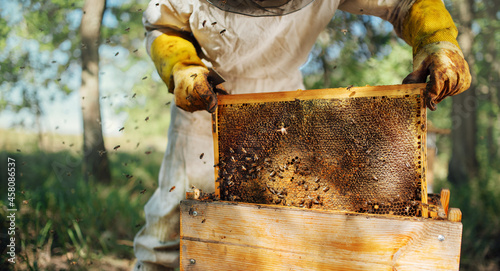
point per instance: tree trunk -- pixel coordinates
(464, 164)
(95, 160)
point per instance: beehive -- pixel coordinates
(358, 149)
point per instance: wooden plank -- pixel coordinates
(228, 236)
(349, 92)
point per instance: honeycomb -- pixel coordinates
(359, 153)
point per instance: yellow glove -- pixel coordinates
(430, 30)
(183, 72)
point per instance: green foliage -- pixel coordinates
(56, 208)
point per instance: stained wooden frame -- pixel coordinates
(338, 93)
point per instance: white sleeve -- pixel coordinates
(166, 15)
(393, 11)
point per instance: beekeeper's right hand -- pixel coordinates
(182, 70)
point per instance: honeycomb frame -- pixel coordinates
(325, 149)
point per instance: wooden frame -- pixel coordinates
(229, 236)
(350, 92)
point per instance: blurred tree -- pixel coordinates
(95, 160)
(463, 165)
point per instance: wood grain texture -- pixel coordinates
(228, 236)
(330, 93)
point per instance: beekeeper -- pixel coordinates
(258, 46)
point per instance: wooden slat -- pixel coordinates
(228, 236)
(351, 92)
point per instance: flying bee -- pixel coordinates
(349, 87)
(143, 191)
(121, 129)
(127, 29)
(147, 118)
(171, 189)
(144, 78)
(194, 75)
(201, 155)
(116, 147)
(204, 22)
(214, 23)
(117, 53)
(135, 51)
(222, 31)
(133, 96)
(148, 152)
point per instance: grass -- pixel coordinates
(62, 217)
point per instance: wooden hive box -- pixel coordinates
(329, 179)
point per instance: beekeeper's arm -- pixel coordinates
(427, 26)
(172, 49)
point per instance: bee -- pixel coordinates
(244, 168)
(272, 174)
(53, 61)
(25, 202)
(375, 177)
(167, 103)
(194, 75)
(214, 23)
(137, 225)
(22, 67)
(143, 191)
(222, 31)
(18, 150)
(157, 4)
(326, 189)
(201, 155)
(243, 150)
(71, 145)
(203, 221)
(344, 31)
(282, 129)
(116, 147)
(148, 152)
(127, 29)
(171, 188)
(133, 96)
(316, 180)
(147, 118)
(121, 129)
(108, 41)
(231, 150)
(144, 78)
(135, 51)
(349, 87)
(129, 176)
(204, 22)
(117, 53)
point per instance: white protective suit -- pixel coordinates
(253, 54)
